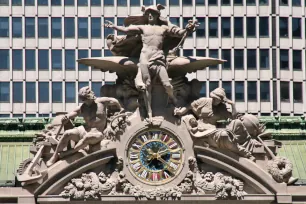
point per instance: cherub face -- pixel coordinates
(152, 17)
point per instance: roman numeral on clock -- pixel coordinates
(133, 156)
(173, 166)
(144, 138)
(155, 177)
(174, 144)
(144, 174)
(166, 175)
(136, 146)
(136, 166)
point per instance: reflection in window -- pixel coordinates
(122, 2)
(5, 92)
(4, 26)
(17, 92)
(263, 2)
(43, 92)
(284, 59)
(82, 54)
(70, 92)
(264, 26)
(283, 27)
(95, 2)
(69, 28)
(57, 92)
(297, 92)
(213, 27)
(251, 57)
(56, 57)
(251, 2)
(284, 91)
(213, 85)
(96, 27)
(239, 91)
(251, 26)
(238, 23)
(43, 59)
(30, 27)
(96, 53)
(30, 60)
(227, 85)
(56, 27)
(17, 59)
(201, 29)
(43, 27)
(69, 59)
(226, 26)
(83, 27)
(4, 59)
(226, 55)
(30, 92)
(264, 58)
(82, 3)
(297, 59)
(108, 31)
(95, 87)
(238, 59)
(252, 91)
(214, 54)
(265, 91)
(199, 2)
(17, 27)
(296, 28)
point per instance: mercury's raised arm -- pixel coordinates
(110, 101)
(128, 30)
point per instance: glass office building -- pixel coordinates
(263, 42)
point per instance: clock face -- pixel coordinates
(155, 157)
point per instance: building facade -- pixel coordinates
(263, 42)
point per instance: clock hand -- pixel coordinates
(161, 153)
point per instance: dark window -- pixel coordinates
(296, 2)
(4, 26)
(296, 28)
(56, 2)
(69, 2)
(69, 59)
(17, 92)
(251, 3)
(95, 2)
(187, 53)
(283, 27)
(264, 58)
(4, 59)
(83, 27)
(43, 92)
(29, 2)
(95, 86)
(251, 57)
(16, 2)
(284, 91)
(226, 26)
(107, 53)
(162, 2)
(96, 27)
(4, 115)
(134, 2)
(239, 59)
(297, 92)
(176, 20)
(265, 91)
(148, 2)
(226, 2)
(239, 91)
(42, 2)
(227, 85)
(297, 59)
(56, 27)
(252, 91)
(108, 2)
(198, 2)
(96, 53)
(264, 26)
(238, 23)
(57, 92)
(213, 27)
(201, 29)
(5, 92)
(214, 54)
(17, 27)
(56, 57)
(238, 2)
(4, 2)
(30, 115)
(251, 26)
(69, 28)
(174, 3)
(17, 115)
(43, 27)
(203, 90)
(82, 3)
(226, 55)
(200, 52)
(284, 59)
(30, 27)
(263, 2)
(108, 31)
(82, 54)
(187, 2)
(283, 2)
(17, 59)
(43, 59)
(70, 92)
(212, 2)
(82, 84)
(122, 2)
(30, 60)
(30, 92)
(213, 85)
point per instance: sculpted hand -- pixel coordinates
(65, 119)
(192, 25)
(109, 24)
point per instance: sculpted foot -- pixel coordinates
(51, 161)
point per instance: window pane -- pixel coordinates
(297, 92)
(96, 27)
(200, 52)
(16, 2)
(263, 2)
(284, 59)
(17, 59)
(56, 57)
(17, 92)
(251, 57)
(187, 2)
(43, 59)
(213, 85)
(17, 27)
(135, 2)
(96, 53)
(187, 53)
(82, 54)
(56, 27)
(214, 54)
(122, 2)
(251, 26)
(69, 28)
(201, 29)
(284, 86)
(4, 27)
(30, 27)
(265, 91)
(296, 2)
(252, 91)
(108, 31)
(70, 92)
(42, 2)
(251, 2)
(69, 59)
(69, 2)
(95, 86)
(296, 28)
(83, 27)
(5, 92)
(95, 2)
(203, 90)
(212, 2)
(43, 27)
(238, 2)
(283, 27)
(82, 84)
(239, 59)
(57, 92)
(162, 2)
(264, 58)
(30, 60)
(226, 2)
(238, 23)
(107, 53)
(213, 27)
(264, 26)
(239, 91)
(4, 59)
(227, 85)
(226, 55)
(43, 92)
(55, 2)
(174, 2)
(108, 2)
(4, 2)
(17, 115)
(82, 3)
(297, 59)
(226, 26)
(30, 92)
(29, 2)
